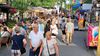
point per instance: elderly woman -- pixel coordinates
(49, 46)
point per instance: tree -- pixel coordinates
(43, 3)
(21, 5)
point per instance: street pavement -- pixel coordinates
(78, 46)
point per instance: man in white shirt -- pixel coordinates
(35, 40)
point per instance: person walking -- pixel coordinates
(69, 30)
(63, 27)
(47, 27)
(18, 43)
(49, 46)
(54, 29)
(35, 37)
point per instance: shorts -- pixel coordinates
(15, 53)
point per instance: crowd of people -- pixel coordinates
(42, 35)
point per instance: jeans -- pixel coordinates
(34, 53)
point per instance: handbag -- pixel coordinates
(22, 50)
(47, 47)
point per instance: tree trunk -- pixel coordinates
(21, 14)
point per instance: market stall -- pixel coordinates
(92, 38)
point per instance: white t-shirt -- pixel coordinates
(54, 29)
(35, 38)
(50, 46)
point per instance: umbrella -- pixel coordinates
(76, 6)
(7, 8)
(38, 9)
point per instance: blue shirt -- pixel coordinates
(41, 28)
(17, 42)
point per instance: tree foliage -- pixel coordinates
(23, 4)
(43, 3)
(20, 4)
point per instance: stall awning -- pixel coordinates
(7, 8)
(76, 6)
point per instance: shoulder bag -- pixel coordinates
(22, 50)
(48, 50)
(47, 47)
